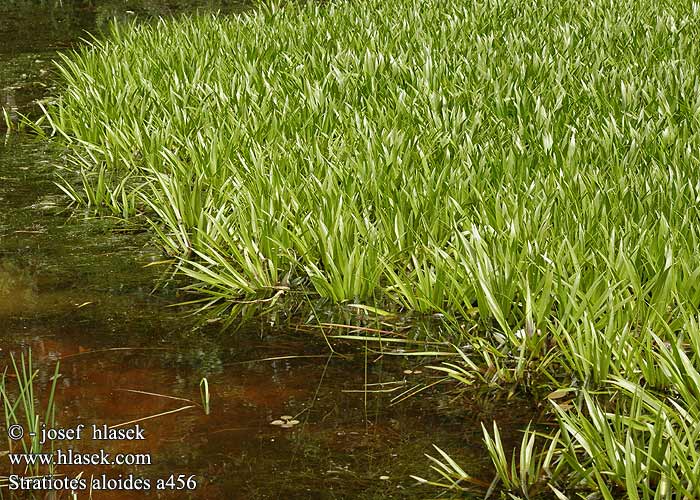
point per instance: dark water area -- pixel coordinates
(80, 291)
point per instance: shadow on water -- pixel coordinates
(77, 291)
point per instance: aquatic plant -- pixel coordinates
(20, 409)
(204, 394)
(524, 171)
(450, 179)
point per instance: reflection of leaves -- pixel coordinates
(206, 360)
(15, 283)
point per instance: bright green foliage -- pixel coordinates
(451, 155)
(531, 166)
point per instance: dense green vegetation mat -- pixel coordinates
(527, 167)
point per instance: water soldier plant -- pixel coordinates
(525, 170)
(20, 405)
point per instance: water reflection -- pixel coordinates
(18, 289)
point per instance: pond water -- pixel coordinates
(79, 290)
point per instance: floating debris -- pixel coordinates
(285, 421)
